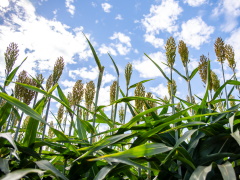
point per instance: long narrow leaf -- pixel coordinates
(227, 171)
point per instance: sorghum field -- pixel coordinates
(195, 138)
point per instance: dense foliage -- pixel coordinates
(169, 138)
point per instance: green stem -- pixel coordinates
(18, 127)
(225, 86)
(96, 100)
(44, 126)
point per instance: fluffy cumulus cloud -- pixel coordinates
(70, 7)
(90, 74)
(195, 32)
(106, 7)
(161, 18)
(121, 46)
(230, 9)
(161, 90)
(147, 69)
(40, 39)
(195, 3)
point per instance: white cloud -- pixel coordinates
(4, 3)
(90, 73)
(42, 40)
(231, 11)
(106, 49)
(161, 18)
(195, 3)
(156, 42)
(119, 17)
(122, 45)
(147, 69)
(106, 7)
(192, 64)
(122, 38)
(70, 7)
(195, 32)
(161, 90)
(233, 40)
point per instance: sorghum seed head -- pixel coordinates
(219, 49)
(50, 132)
(230, 56)
(19, 90)
(49, 82)
(202, 67)
(40, 79)
(140, 92)
(128, 73)
(170, 51)
(89, 94)
(57, 71)
(113, 91)
(77, 92)
(183, 51)
(60, 113)
(150, 103)
(11, 55)
(193, 99)
(121, 114)
(174, 87)
(215, 82)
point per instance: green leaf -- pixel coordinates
(45, 165)
(127, 161)
(22, 106)
(134, 85)
(4, 113)
(18, 174)
(137, 117)
(104, 143)
(32, 126)
(140, 151)
(180, 140)
(201, 172)
(116, 68)
(10, 139)
(227, 171)
(4, 166)
(62, 137)
(94, 54)
(62, 96)
(236, 136)
(193, 73)
(184, 77)
(104, 171)
(12, 74)
(160, 69)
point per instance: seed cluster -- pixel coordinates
(170, 51)
(11, 55)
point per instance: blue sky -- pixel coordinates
(47, 29)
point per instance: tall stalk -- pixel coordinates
(128, 74)
(183, 51)
(96, 100)
(220, 53)
(51, 81)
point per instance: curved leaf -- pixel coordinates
(193, 73)
(18, 174)
(160, 69)
(45, 165)
(201, 172)
(227, 171)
